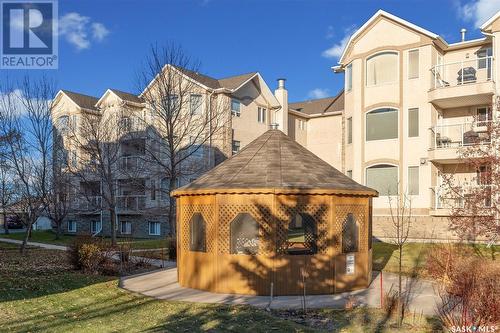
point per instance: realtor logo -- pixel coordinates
(29, 34)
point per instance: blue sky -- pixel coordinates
(102, 43)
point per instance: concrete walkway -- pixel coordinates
(162, 284)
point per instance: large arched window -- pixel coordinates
(350, 234)
(302, 235)
(382, 68)
(382, 124)
(383, 178)
(197, 233)
(244, 234)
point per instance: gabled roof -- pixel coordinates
(83, 101)
(205, 80)
(234, 82)
(382, 13)
(321, 105)
(127, 96)
(274, 163)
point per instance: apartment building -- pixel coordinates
(141, 195)
(411, 101)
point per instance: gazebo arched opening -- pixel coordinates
(302, 235)
(350, 234)
(197, 232)
(244, 234)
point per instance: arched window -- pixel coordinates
(302, 235)
(63, 123)
(383, 178)
(382, 124)
(244, 234)
(197, 234)
(382, 68)
(350, 234)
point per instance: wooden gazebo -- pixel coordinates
(274, 218)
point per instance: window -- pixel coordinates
(261, 115)
(244, 234)
(195, 104)
(349, 173)
(413, 122)
(154, 228)
(350, 232)
(236, 146)
(73, 159)
(382, 124)
(71, 226)
(197, 233)
(235, 107)
(125, 124)
(95, 227)
(383, 178)
(126, 227)
(349, 130)
(382, 69)
(483, 175)
(302, 124)
(173, 102)
(164, 188)
(483, 60)
(483, 115)
(413, 180)
(153, 189)
(302, 236)
(73, 121)
(413, 64)
(348, 77)
(63, 123)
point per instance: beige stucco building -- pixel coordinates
(410, 101)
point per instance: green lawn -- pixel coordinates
(48, 237)
(40, 292)
(386, 256)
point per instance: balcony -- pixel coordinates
(130, 203)
(131, 163)
(448, 198)
(462, 83)
(91, 203)
(448, 139)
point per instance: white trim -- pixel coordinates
(482, 39)
(490, 20)
(401, 21)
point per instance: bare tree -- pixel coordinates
(7, 191)
(188, 121)
(401, 216)
(25, 118)
(475, 203)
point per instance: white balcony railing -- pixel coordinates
(459, 135)
(130, 163)
(462, 72)
(90, 203)
(131, 202)
(455, 197)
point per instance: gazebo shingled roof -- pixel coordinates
(274, 163)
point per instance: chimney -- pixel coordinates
(462, 32)
(281, 115)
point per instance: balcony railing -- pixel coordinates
(459, 135)
(462, 72)
(130, 163)
(131, 202)
(90, 203)
(456, 197)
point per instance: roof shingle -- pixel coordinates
(321, 105)
(83, 101)
(275, 161)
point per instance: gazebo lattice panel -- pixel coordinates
(207, 211)
(285, 215)
(359, 212)
(261, 214)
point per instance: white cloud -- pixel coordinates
(318, 93)
(477, 11)
(79, 31)
(336, 50)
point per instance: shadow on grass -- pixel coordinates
(382, 253)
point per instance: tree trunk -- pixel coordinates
(5, 224)
(400, 296)
(171, 208)
(113, 226)
(25, 239)
(58, 230)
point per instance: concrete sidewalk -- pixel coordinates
(162, 284)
